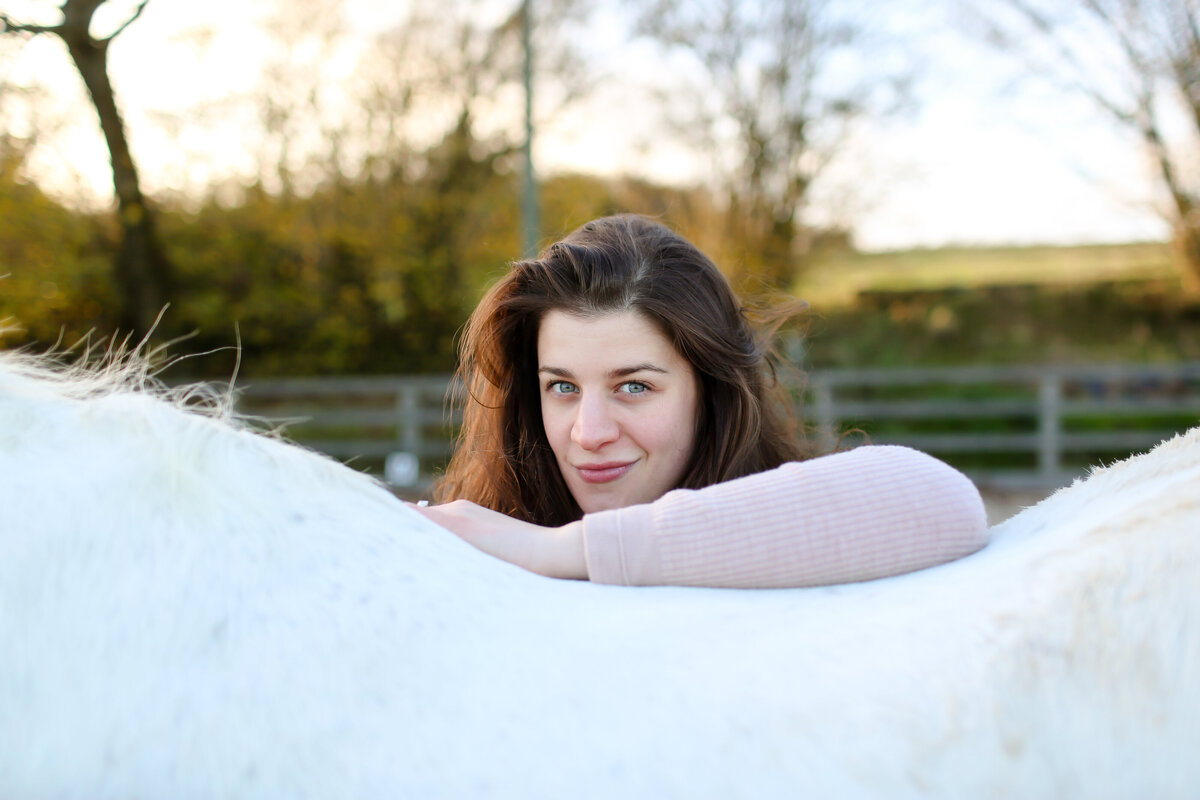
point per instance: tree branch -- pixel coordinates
(1184, 201)
(7, 25)
(1155, 48)
(1185, 63)
(1124, 34)
(137, 12)
(1077, 77)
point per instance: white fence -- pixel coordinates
(1060, 419)
(1029, 426)
(399, 425)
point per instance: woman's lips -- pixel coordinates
(604, 473)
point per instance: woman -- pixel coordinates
(621, 426)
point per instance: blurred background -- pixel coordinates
(988, 204)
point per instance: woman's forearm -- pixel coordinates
(853, 516)
(553, 552)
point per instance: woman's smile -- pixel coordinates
(606, 472)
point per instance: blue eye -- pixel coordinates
(561, 387)
(634, 387)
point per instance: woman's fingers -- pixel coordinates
(554, 552)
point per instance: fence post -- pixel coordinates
(1050, 426)
(823, 406)
(408, 423)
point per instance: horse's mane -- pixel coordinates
(88, 370)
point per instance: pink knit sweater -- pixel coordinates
(854, 516)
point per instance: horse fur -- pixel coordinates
(191, 610)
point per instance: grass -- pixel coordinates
(999, 305)
(835, 279)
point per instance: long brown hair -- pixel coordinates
(503, 460)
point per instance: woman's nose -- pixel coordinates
(594, 424)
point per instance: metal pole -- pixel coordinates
(1050, 428)
(529, 207)
(827, 423)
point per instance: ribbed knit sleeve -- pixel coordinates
(866, 513)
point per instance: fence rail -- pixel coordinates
(1050, 413)
(1024, 426)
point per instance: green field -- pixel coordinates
(999, 305)
(835, 279)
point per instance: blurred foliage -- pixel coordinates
(838, 273)
(366, 277)
(377, 275)
(54, 264)
(358, 277)
(1144, 320)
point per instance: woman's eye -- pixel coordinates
(634, 387)
(562, 387)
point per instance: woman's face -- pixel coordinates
(619, 406)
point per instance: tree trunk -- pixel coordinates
(1187, 229)
(142, 272)
(1187, 246)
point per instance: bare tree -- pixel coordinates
(1139, 62)
(456, 68)
(446, 72)
(446, 88)
(764, 101)
(142, 271)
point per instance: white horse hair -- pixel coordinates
(191, 610)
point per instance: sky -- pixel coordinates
(980, 156)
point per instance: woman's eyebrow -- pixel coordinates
(619, 372)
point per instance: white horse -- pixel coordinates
(191, 610)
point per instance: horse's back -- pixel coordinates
(189, 609)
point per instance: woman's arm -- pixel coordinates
(553, 552)
(854, 516)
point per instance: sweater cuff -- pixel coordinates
(615, 558)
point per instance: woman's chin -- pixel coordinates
(591, 501)
(591, 505)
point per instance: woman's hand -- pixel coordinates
(553, 552)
